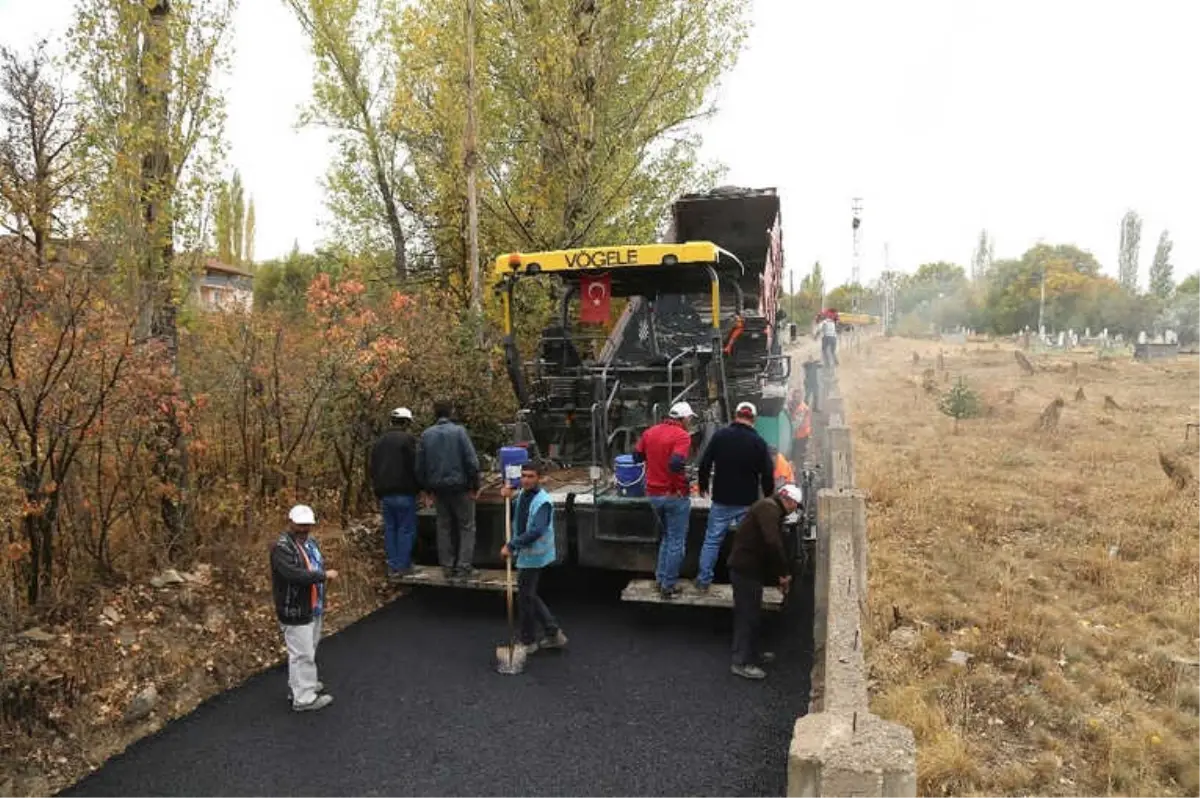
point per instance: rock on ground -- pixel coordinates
(142, 704)
(37, 635)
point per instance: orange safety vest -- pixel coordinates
(309, 566)
(784, 475)
(802, 418)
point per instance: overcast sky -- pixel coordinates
(1037, 119)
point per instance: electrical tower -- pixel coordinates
(856, 264)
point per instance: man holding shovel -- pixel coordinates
(532, 545)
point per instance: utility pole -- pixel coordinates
(472, 157)
(888, 283)
(1042, 309)
(792, 294)
(856, 264)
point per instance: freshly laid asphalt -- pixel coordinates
(641, 703)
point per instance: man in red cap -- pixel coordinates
(744, 467)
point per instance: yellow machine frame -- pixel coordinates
(592, 260)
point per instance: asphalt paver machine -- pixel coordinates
(637, 328)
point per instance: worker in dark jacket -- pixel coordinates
(758, 558)
(393, 466)
(744, 467)
(295, 581)
(664, 448)
(448, 467)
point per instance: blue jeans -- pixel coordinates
(399, 529)
(672, 512)
(720, 518)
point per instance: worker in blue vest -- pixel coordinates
(532, 545)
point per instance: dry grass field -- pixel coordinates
(1063, 562)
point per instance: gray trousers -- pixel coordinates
(455, 512)
(301, 644)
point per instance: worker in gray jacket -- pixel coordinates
(448, 467)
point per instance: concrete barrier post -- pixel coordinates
(841, 453)
(835, 409)
(840, 748)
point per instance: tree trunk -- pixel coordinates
(154, 91)
(39, 535)
(471, 159)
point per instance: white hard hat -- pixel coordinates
(746, 408)
(792, 492)
(402, 412)
(681, 410)
(302, 514)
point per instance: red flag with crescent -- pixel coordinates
(595, 299)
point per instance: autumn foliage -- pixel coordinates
(274, 409)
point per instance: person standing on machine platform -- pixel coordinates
(393, 470)
(448, 467)
(664, 448)
(743, 468)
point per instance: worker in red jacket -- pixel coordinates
(664, 448)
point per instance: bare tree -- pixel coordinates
(40, 176)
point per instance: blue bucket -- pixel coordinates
(511, 460)
(630, 476)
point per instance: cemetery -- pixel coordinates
(1033, 559)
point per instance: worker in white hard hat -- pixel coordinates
(744, 472)
(393, 468)
(758, 558)
(664, 448)
(297, 583)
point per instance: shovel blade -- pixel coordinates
(510, 659)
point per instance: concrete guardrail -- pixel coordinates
(839, 747)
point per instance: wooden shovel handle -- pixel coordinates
(508, 568)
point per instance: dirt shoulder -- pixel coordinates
(135, 657)
(1061, 565)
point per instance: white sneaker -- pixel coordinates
(559, 640)
(320, 702)
(748, 671)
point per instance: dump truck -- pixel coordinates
(638, 327)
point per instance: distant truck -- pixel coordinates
(847, 321)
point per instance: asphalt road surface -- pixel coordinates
(641, 703)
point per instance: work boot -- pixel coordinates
(449, 572)
(556, 640)
(702, 588)
(668, 593)
(467, 573)
(320, 702)
(748, 671)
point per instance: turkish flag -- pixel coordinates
(595, 299)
